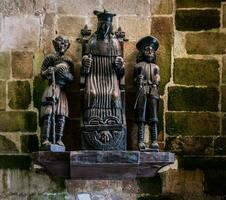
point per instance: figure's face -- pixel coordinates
(149, 53)
(61, 45)
(103, 29)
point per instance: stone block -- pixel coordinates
(134, 33)
(224, 70)
(215, 182)
(224, 15)
(193, 99)
(22, 64)
(70, 25)
(161, 7)
(29, 143)
(198, 4)
(5, 65)
(79, 7)
(179, 44)
(199, 43)
(7, 145)
(224, 125)
(19, 94)
(127, 7)
(23, 7)
(196, 20)
(18, 35)
(18, 121)
(2, 95)
(196, 124)
(15, 161)
(39, 86)
(220, 146)
(189, 71)
(223, 98)
(162, 29)
(190, 145)
(184, 182)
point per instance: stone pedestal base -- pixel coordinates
(90, 165)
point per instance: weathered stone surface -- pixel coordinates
(183, 182)
(135, 32)
(224, 125)
(7, 145)
(2, 95)
(198, 4)
(190, 145)
(224, 70)
(224, 15)
(193, 99)
(196, 20)
(197, 43)
(19, 94)
(18, 121)
(215, 182)
(37, 62)
(29, 143)
(187, 123)
(70, 26)
(78, 7)
(179, 44)
(127, 7)
(162, 29)
(161, 7)
(39, 86)
(223, 98)
(22, 64)
(189, 71)
(18, 35)
(20, 7)
(5, 65)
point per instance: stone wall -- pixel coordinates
(192, 36)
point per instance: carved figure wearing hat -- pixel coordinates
(103, 119)
(147, 78)
(58, 70)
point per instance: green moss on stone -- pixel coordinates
(206, 43)
(196, 20)
(150, 185)
(15, 161)
(18, 121)
(187, 123)
(7, 145)
(39, 87)
(198, 3)
(223, 98)
(193, 99)
(189, 71)
(2, 95)
(19, 94)
(4, 65)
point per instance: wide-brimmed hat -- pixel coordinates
(148, 40)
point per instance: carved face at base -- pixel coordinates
(103, 29)
(149, 54)
(61, 45)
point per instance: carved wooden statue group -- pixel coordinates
(103, 122)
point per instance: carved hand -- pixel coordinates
(119, 62)
(87, 61)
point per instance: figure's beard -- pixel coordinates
(149, 59)
(102, 34)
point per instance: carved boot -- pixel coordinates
(141, 144)
(60, 123)
(154, 136)
(46, 127)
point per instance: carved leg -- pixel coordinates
(141, 144)
(46, 127)
(60, 123)
(153, 121)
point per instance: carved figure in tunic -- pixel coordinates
(58, 70)
(147, 78)
(103, 121)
